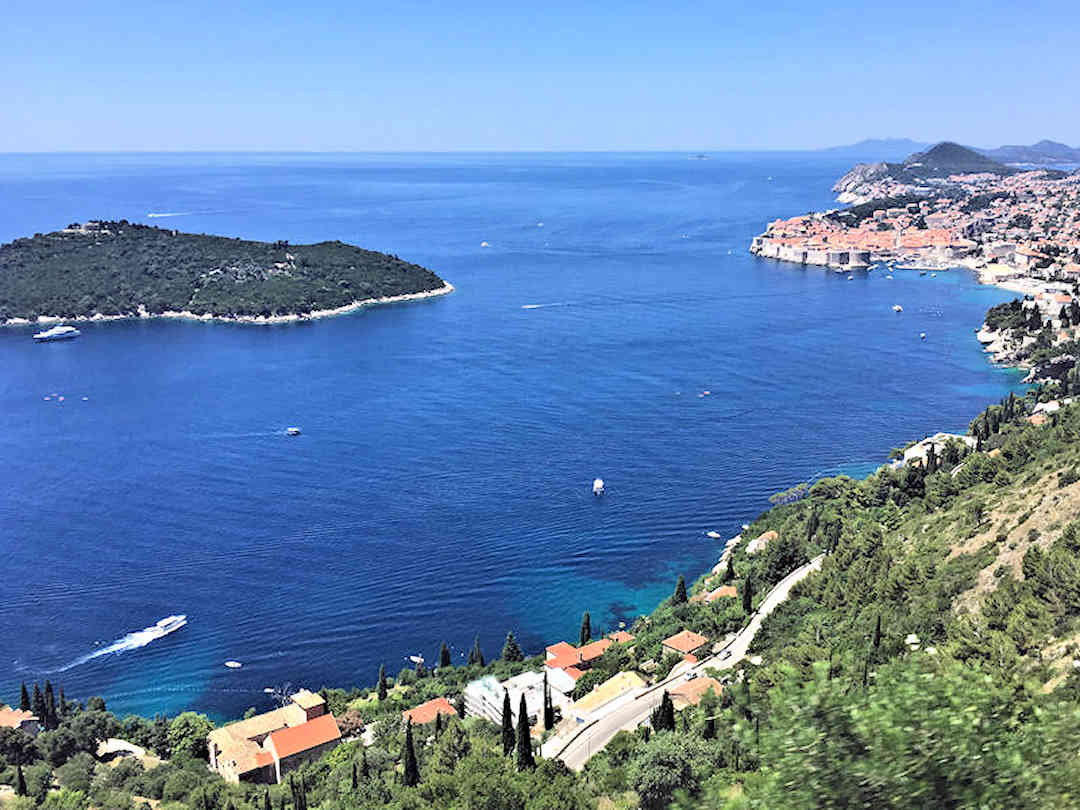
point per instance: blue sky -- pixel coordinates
(410, 75)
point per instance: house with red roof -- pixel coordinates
(686, 643)
(427, 712)
(567, 663)
(262, 748)
(19, 719)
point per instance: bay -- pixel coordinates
(441, 486)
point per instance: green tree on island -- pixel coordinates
(586, 630)
(524, 756)
(663, 716)
(679, 597)
(511, 651)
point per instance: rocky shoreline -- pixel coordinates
(261, 320)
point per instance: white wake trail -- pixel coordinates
(132, 641)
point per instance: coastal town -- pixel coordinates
(1018, 229)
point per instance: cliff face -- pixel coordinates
(862, 173)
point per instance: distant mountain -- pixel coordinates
(878, 149)
(1040, 154)
(950, 158)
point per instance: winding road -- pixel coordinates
(630, 711)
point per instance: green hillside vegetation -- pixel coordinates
(116, 268)
(930, 663)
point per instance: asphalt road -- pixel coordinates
(634, 709)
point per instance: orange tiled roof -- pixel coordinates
(426, 712)
(620, 637)
(304, 737)
(686, 641)
(694, 690)
(13, 718)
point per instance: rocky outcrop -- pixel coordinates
(1053, 370)
(860, 175)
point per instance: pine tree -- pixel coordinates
(411, 776)
(20, 781)
(549, 707)
(444, 657)
(729, 572)
(524, 755)
(50, 719)
(382, 681)
(511, 651)
(679, 597)
(586, 630)
(24, 699)
(507, 725)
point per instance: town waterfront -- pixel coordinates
(441, 485)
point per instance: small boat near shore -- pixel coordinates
(292, 431)
(598, 487)
(58, 332)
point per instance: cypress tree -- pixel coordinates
(549, 708)
(444, 657)
(524, 756)
(355, 777)
(511, 651)
(710, 728)
(20, 781)
(50, 719)
(729, 572)
(812, 523)
(38, 703)
(476, 656)
(438, 724)
(459, 705)
(382, 681)
(679, 597)
(507, 725)
(586, 630)
(747, 595)
(266, 800)
(411, 776)
(663, 717)
(877, 633)
(363, 764)
(63, 704)
(24, 698)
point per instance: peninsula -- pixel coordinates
(946, 207)
(104, 270)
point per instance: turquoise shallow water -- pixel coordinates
(441, 485)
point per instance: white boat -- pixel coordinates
(293, 431)
(233, 664)
(897, 308)
(598, 486)
(170, 623)
(58, 333)
(922, 335)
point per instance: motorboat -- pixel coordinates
(293, 431)
(59, 332)
(170, 623)
(897, 308)
(598, 487)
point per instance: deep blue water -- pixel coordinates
(441, 487)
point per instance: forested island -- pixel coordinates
(125, 269)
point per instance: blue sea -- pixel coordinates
(441, 486)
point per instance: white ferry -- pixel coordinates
(58, 333)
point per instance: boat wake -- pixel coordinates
(132, 641)
(542, 306)
(159, 214)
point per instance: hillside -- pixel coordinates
(122, 268)
(949, 158)
(1043, 153)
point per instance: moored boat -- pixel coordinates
(58, 332)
